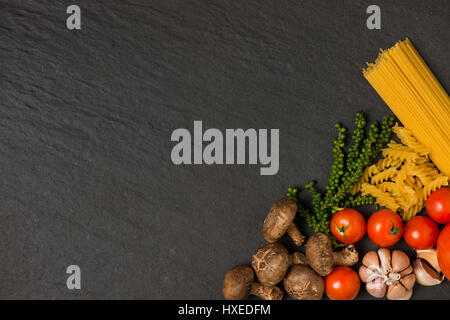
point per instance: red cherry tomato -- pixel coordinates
(421, 233)
(342, 284)
(348, 226)
(385, 228)
(443, 250)
(438, 205)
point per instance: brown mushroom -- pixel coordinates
(239, 283)
(271, 262)
(280, 220)
(322, 258)
(387, 273)
(303, 283)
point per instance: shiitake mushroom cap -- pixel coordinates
(303, 283)
(271, 262)
(319, 253)
(238, 283)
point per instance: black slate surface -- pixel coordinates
(86, 118)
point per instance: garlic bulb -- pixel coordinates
(387, 273)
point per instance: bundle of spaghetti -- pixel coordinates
(404, 178)
(404, 81)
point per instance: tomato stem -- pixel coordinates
(394, 230)
(342, 229)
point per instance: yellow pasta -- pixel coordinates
(405, 155)
(383, 198)
(398, 146)
(438, 182)
(403, 175)
(404, 178)
(408, 139)
(403, 80)
(425, 173)
(384, 175)
(388, 162)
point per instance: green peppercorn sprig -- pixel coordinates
(346, 171)
(337, 169)
(355, 202)
(372, 145)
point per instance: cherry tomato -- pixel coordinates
(342, 284)
(385, 228)
(348, 226)
(421, 232)
(438, 205)
(443, 250)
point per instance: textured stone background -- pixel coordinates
(86, 118)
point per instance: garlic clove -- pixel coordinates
(425, 274)
(406, 271)
(430, 256)
(376, 287)
(408, 281)
(408, 295)
(400, 261)
(385, 260)
(367, 274)
(371, 260)
(398, 292)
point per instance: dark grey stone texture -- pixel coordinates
(86, 118)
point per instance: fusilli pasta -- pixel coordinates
(404, 178)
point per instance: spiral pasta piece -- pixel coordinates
(407, 138)
(383, 198)
(384, 175)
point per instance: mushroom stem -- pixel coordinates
(295, 234)
(265, 292)
(346, 257)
